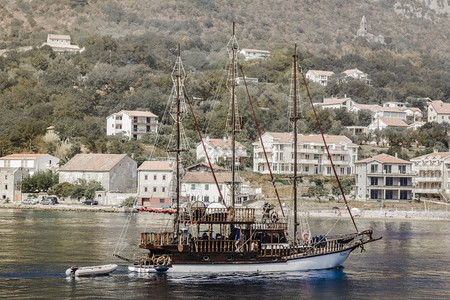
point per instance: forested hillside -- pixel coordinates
(130, 49)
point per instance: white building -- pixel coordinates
(312, 157)
(357, 74)
(200, 186)
(384, 177)
(133, 124)
(31, 162)
(115, 172)
(10, 180)
(156, 186)
(337, 103)
(250, 54)
(220, 150)
(381, 123)
(61, 43)
(439, 111)
(320, 77)
(432, 175)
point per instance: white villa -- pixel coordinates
(250, 54)
(131, 123)
(312, 156)
(156, 183)
(384, 177)
(357, 74)
(61, 43)
(432, 175)
(220, 150)
(320, 77)
(381, 123)
(439, 111)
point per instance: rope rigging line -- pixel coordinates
(203, 144)
(328, 152)
(261, 140)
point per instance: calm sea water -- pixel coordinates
(36, 247)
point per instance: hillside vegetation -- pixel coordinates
(130, 49)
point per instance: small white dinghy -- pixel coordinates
(91, 271)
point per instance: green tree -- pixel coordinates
(39, 182)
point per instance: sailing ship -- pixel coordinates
(226, 238)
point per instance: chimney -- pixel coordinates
(396, 155)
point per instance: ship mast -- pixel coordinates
(178, 143)
(233, 120)
(294, 119)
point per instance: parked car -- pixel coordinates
(29, 201)
(51, 200)
(90, 202)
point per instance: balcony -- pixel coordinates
(426, 191)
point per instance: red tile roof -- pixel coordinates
(286, 137)
(433, 155)
(384, 158)
(156, 166)
(393, 122)
(139, 113)
(441, 107)
(23, 156)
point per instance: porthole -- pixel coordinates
(252, 257)
(274, 259)
(230, 258)
(206, 258)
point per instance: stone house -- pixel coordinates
(10, 180)
(115, 172)
(61, 43)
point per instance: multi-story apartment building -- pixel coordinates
(432, 175)
(312, 157)
(220, 150)
(384, 177)
(133, 124)
(200, 186)
(156, 183)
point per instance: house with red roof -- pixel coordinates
(384, 177)
(312, 157)
(381, 123)
(432, 175)
(15, 167)
(439, 111)
(133, 124)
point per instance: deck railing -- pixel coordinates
(269, 226)
(157, 238)
(219, 215)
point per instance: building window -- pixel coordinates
(402, 169)
(206, 187)
(306, 169)
(164, 177)
(403, 181)
(306, 156)
(162, 200)
(163, 189)
(155, 177)
(206, 198)
(389, 195)
(389, 181)
(154, 189)
(342, 157)
(388, 169)
(145, 177)
(373, 180)
(373, 168)
(221, 187)
(349, 171)
(6, 186)
(145, 189)
(193, 186)
(328, 170)
(404, 195)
